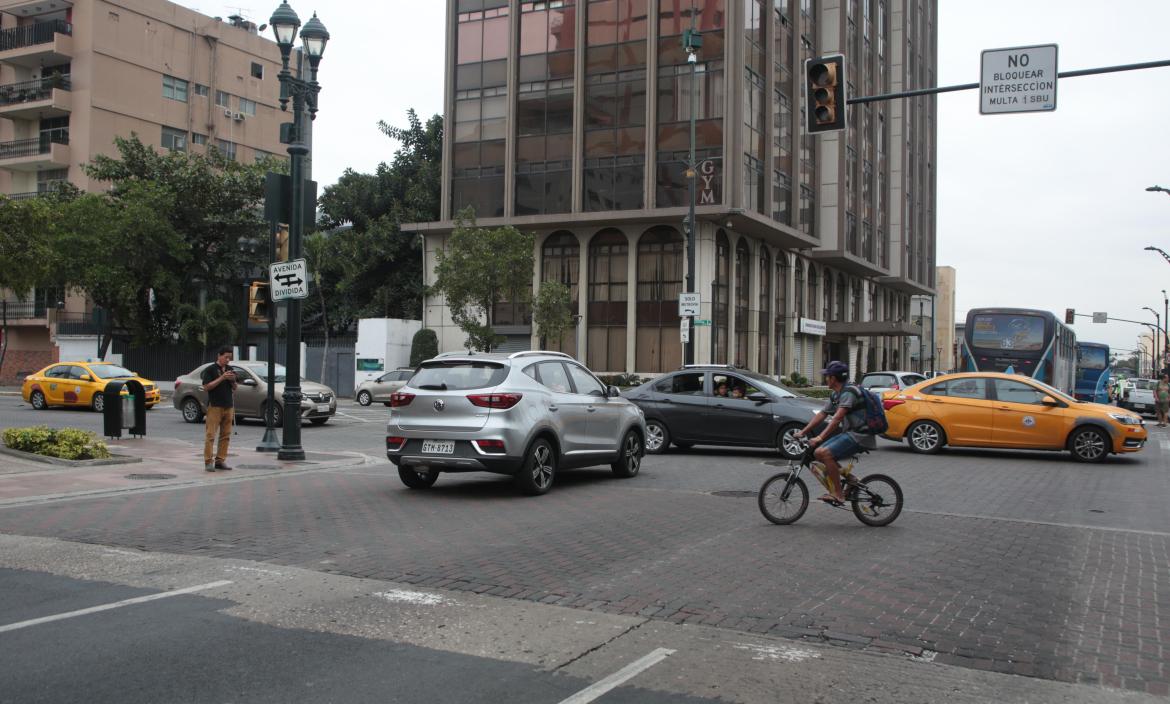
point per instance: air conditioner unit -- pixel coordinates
(227, 113)
(237, 116)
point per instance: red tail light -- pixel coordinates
(891, 402)
(495, 447)
(500, 401)
(895, 387)
(178, 383)
(395, 443)
(399, 399)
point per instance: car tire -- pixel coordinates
(98, 403)
(925, 437)
(630, 459)
(415, 479)
(277, 415)
(37, 400)
(657, 437)
(539, 470)
(364, 398)
(790, 447)
(318, 421)
(1089, 444)
(192, 411)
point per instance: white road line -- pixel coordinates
(1165, 444)
(628, 672)
(114, 605)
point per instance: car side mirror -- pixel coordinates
(86, 377)
(759, 397)
(613, 392)
(1049, 401)
(248, 382)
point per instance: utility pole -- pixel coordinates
(692, 42)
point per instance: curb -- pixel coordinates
(33, 457)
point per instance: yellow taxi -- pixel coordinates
(985, 409)
(80, 384)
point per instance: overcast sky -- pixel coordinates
(1043, 210)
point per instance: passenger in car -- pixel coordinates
(721, 389)
(737, 392)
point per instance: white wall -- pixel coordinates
(82, 348)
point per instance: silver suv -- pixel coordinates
(525, 414)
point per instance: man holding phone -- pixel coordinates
(219, 381)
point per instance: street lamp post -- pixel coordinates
(1157, 331)
(692, 42)
(303, 93)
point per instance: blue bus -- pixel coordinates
(1093, 372)
(1021, 341)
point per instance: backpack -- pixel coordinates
(875, 412)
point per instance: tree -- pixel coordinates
(25, 251)
(479, 268)
(552, 312)
(316, 246)
(423, 346)
(206, 326)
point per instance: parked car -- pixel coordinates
(1140, 398)
(525, 414)
(80, 384)
(879, 382)
(379, 390)
(684, 408)
(987, 409)
(318, 402)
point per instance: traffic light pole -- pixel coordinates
(692, 42)
(270, 442)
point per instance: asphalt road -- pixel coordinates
(1010, 576)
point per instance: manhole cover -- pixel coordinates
(150, 476)
(1095, 510)
(734, 494)
(258, 466)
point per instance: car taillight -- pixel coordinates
(891, 402)
(895, 387)
(399, 399)
(491, 446)
(500, 401)
(178, 383)
(394, 443)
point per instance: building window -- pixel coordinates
(842, 291)
(764, 361)
(175, 88)
(781, 308)
(247, 107)
(481, 74)
(660, 281)
(257, 70)
(261, 155)
(200, 139)
(228, 149)
(222, 99)
(608, 293)
(828, 297)
(743, 277)
(174, 140)
(202, 90)
(799, 288)
(813, 289)
(560, 260)
(719, 296)
(49, 179)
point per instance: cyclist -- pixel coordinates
(846, 412)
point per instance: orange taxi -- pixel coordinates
(985, 409)
(80, 384)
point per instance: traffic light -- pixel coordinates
(824, 106)
(282, 243)
(258, 302)
(1070, 315)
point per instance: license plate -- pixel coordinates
(322, 407)
(439, 447)
(1140, 405)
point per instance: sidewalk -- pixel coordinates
(165, 462)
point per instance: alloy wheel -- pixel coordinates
(633, 455)
(925, 437)
(655, 437)
(1089, 445)
(542, 468)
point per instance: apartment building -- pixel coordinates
(570, 119)
(75, 74)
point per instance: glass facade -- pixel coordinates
(560, 260)
(754, 107)
(660, 281)
(675, 98)
(764, 360)
(608, 293)
(719, 296)
(615, 105)
(743, 271)
(544, 108)
(480, 107)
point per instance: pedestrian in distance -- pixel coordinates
(1162, 398)
(219, 381)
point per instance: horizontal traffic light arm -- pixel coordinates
(859, 100)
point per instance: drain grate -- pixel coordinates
(150, 476)
(258, 466)
(1095, 510)
(734, 494)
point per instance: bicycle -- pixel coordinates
(876, 500)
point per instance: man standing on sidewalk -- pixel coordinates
(219, 381)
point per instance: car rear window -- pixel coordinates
(912, 379)
(878, 380)
(456, 376)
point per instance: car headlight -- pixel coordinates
(1125, 419)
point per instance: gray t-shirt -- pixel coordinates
(854, 419)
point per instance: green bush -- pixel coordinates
(817, 391)
(623, 381)
(423, 346)
(67, 443)
(796, 380)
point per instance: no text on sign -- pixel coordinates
(1018, 79)
(1101, 317)
(688, 304)
(288, 279)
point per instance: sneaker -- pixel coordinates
(208, 467)
(222, 467)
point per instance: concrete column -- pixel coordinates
(582, 295)
(752, 353)
(631, 297)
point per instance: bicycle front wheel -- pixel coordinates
(877, 500)
(783, 498)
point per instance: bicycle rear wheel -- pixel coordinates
(877, 500)
(783, 499)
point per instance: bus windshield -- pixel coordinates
(1018, 333)
(1092, 357)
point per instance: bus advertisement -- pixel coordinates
(1020, 341)
(1093, 372)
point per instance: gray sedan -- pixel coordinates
(318, 402)
(720, 405)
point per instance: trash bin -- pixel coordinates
(124, 412)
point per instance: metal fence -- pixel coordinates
(32, 34)
(35, 146)
(17, 310)
(28, 91)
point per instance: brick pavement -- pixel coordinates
(1064, 603)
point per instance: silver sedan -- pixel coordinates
(318, 402)
(379, 390)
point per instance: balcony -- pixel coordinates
(80, 323)
(24, 311)
(33, 100)
(49, 151)
(37, 44)
(21, 196)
